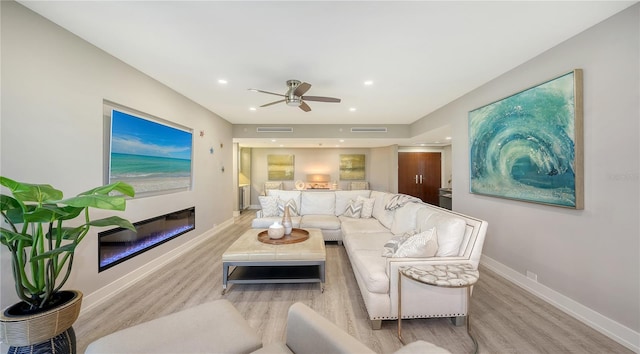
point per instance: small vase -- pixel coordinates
(286, 221)
(276, 231)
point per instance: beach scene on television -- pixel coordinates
(150, 156)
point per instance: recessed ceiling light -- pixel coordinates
(341, 140)
(273, 140)
(352, 109)
(368, 83)
(448, 138)
(222, 81)
(252, 108)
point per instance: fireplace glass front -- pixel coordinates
(118, 245)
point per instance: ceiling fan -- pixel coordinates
(294, 95)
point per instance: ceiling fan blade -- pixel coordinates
(305, 107)
(271, 93)
(321, 99)
(269, 104)
(301, 89)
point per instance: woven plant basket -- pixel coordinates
(20, 331)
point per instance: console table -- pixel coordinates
(445, 275)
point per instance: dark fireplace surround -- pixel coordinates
(117, 245)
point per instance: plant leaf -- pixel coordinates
(120, 187)
(68, 233)
(8, 236)
(8, 203)
(113, 221)
(27, 192)
(96, 201)
(70, 247)
(47, 213)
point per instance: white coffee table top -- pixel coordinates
(248, 248)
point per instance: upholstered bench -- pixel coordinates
(213, 327)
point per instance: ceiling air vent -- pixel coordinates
(274, 130)
(369, 130)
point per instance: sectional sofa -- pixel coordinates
(382, 232)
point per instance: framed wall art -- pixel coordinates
(151, 154)
(528, 146)
(352, 167)
(280, 167)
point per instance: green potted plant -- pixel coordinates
(40, 230)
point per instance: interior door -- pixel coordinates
(419, 175)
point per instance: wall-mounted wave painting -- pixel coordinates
(528, 146)
(153, 157)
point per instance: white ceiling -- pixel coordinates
(420, 55)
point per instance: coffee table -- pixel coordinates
(249, 261)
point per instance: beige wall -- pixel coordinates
(590, 256)
(53, 86)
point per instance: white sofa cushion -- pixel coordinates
(286, 195)
(367, 241)
(372, 269)
(353, 209)
(367, 206)
(325, 222)
(393, 244)
(291, 204)
(269, 205)
(385, 217)
(404, 219)
(350, 225)
(424, 244)
(318, 203)
(343, 198)
(450, 231)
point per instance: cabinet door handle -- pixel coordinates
(420, 179)
(416, 179)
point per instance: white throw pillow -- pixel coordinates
(451, 231)
(269, 206)
(404, 219)
(291, 204)
(367, 206)
(424, 244)
(393, 244)
(353, 209)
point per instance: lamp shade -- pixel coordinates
(318, 178)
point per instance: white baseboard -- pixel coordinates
(89, 301)
(612, 329)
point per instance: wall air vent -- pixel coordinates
(369, 130)
(274, 130)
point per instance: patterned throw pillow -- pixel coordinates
(424, 244)
(392, 245)
(367, 206)
(269, 206)
(353, 210)
(291, 204)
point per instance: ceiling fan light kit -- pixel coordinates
(294, 96)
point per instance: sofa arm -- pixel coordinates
(309, 332)
(259, 214)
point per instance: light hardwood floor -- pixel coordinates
(504, 318)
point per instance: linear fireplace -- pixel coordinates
(118, 245)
